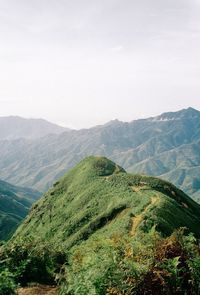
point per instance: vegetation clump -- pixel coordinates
(146, 264)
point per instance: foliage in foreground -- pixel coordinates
(145, 264)
(7, 283)
(21, 264)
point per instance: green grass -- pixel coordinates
(95, 214)
(96, 191)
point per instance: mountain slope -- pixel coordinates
(17, 127)
(102, 231)
(14, 205)
(98, 197)
(166, 146)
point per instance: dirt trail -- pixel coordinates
(136, 220)
(138, 188)
(38, 290)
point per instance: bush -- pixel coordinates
(146, 264)
(7, 285)
(32, 265)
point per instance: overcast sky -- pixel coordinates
(84, 62)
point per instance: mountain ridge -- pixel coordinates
(101, 230)
(14, 127)
(96, 180)
(159, 148)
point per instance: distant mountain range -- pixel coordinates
(14, 205)
(16, 127)
(167, 146)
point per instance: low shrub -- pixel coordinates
(7, 283)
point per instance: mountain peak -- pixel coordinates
(184, 113)
(191, 110)
(87, 202)
(113, 122)
(94, 226)
(98, 165)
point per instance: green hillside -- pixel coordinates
(97, 191)
(104, 225)
(14, 205)
(166, 146)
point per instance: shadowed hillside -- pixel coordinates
(14, 205)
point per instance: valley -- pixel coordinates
(15, 203)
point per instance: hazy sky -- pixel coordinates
(85, 62)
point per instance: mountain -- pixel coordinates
(14, 206)
(166, 146)
(97, 213)
(95, 193)
(16, 127)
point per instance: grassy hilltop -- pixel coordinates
(99, 197)
(99, 230)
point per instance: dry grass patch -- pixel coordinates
(39, 290)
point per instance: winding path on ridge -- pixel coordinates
(136, 220)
